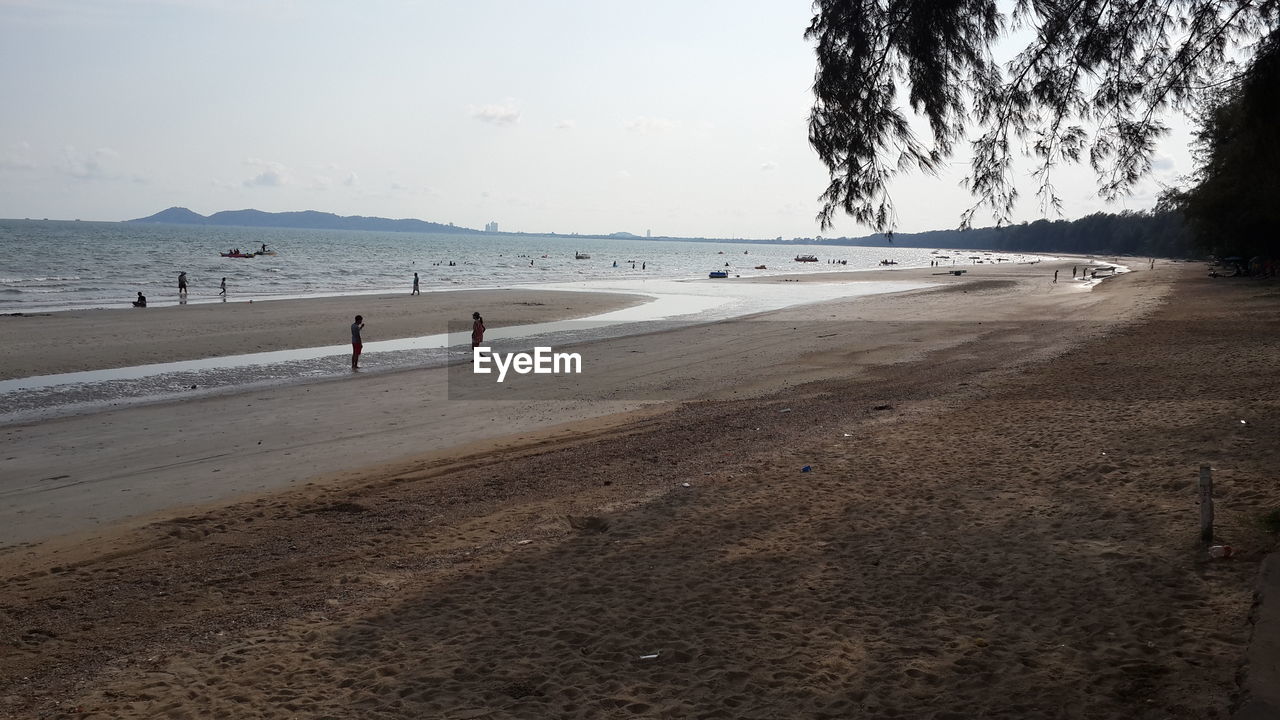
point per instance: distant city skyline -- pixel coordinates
(692, 120)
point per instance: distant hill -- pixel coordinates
(307, 220)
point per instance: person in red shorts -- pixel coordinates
(477, 329)
(356, 346)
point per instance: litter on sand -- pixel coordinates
(649, 657)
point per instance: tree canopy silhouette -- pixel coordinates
(1091, 85)
(1231, 207)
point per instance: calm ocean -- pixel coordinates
(52, 265)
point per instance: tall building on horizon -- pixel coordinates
(491, 226)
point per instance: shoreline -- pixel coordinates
(108, 379)
(161, 297)
(54, 343)
(44, 343)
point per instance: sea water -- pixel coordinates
(52, 265)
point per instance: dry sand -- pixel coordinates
(60, 342)
(999, 522)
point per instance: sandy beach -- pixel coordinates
(977, 500)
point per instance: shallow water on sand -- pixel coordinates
(673, 304)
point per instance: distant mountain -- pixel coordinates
(307, 220)
(176, 216)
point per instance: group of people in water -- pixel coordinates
(141, 301)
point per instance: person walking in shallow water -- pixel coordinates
(477, 329)
(356, 345)
(1055, 276)
(415, 285)
(223, 291)
(182, 283)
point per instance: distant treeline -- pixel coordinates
(1149, 234)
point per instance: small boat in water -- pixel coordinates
(718, 274)
(761, 267)
(806, 258)
(581, 256)
(238, 255)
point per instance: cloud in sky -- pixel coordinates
(499, 113)
(566, 125)
(17, 157)
(351, 180)
(768, 165)
(1162, 163)
(93, 165)
(647, 125)
(266, 178)
(270, 174)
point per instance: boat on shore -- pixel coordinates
(718, 274)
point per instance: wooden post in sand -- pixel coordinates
(1206, 503)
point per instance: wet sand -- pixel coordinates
(61, 342)
(999, 520)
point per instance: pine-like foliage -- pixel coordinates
(1232, 207)
(1090, 85)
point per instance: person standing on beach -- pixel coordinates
(356, 345)
(223, 291)
(182, 283)
(477, 329)
(1055, 276)
(415, 285)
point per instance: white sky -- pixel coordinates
(684, 118)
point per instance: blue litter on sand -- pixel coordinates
(806, 468)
